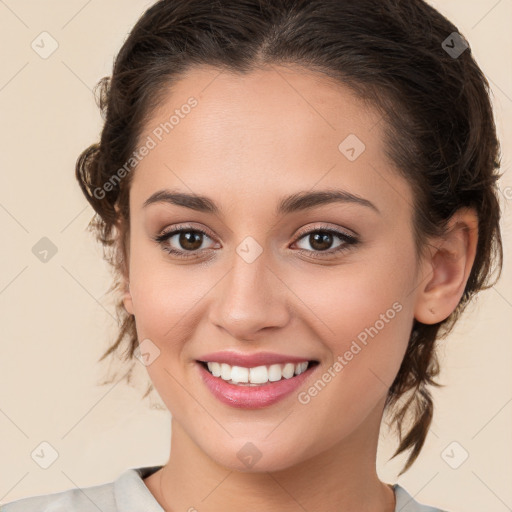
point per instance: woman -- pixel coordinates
(299, 198)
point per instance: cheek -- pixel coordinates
(345, 300)
(161, 300)
(364, 314)
(167, 296)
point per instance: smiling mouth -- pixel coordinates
(263, 375)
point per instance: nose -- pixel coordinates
(250, 300)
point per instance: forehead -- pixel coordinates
(278, 130)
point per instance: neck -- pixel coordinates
(342, 478)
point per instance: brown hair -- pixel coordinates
(438, 120)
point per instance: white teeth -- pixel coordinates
(288, 370)
(274, 372)
(225, 371)
(257, 375)
(215, 368)
(239, 374)
(301, 368)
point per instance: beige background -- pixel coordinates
(56, 319)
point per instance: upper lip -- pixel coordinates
(251, 360)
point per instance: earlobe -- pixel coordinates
(127, 299)
(448, 268)
(124, 248)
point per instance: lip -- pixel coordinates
(253, 397)
(251, 360)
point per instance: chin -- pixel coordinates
(246, 456)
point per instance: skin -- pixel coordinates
(250, 141)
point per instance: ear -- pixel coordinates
(125, 272)
(127, 298)
(447, 268)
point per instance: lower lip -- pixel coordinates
(253, 397)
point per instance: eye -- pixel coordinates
(323, 236)
(187, 237)
(190, 240)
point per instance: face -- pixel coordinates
(334, 282)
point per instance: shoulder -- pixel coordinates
(406, 503)
(86, 499)
(128, 492)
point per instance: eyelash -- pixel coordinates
(348, 239)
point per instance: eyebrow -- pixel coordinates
(293, 203)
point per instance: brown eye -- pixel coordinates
(186, 240)
(321, 240)
(190, 240)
